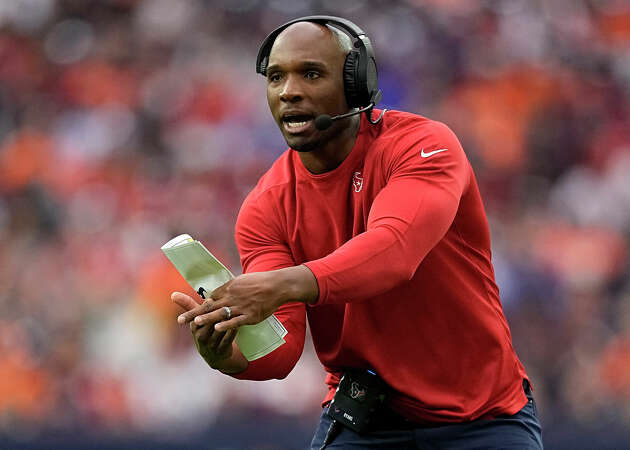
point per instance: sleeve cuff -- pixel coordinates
(317, 268)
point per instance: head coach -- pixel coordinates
(371, 227)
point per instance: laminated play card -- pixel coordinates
(205, 273)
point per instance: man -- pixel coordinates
(374, 231)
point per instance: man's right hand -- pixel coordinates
(216, 347)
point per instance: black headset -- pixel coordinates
(360, 76)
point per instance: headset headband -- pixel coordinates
(353, 30)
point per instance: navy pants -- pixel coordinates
(521, 431)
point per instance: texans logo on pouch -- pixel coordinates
(356, 391)
(357, 181)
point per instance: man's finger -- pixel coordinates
(233, 323)
(217, 315)
(185, 301)
(204, 334)
(215, 338)
(227, 340)
(189, 315)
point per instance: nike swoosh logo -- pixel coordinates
(426, 155)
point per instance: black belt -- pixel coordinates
(390, 420)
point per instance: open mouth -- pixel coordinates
(295, 124)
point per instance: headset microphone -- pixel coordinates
(324, 121)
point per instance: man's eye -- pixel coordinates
(311, 75)
(274, 77)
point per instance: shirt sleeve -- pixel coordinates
(261, 249)
(428, 173)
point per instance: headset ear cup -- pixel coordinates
(371, 81)
(350, 79)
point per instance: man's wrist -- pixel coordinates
(229, 366)
(229, 369)
(301, 285)
(235, 363)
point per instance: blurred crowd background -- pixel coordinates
(126, 122)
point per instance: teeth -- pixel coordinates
(295, 124)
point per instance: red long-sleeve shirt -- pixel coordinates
(398, 241)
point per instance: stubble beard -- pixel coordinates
(307, 146)
(319, 141)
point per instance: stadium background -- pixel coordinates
(126, 122)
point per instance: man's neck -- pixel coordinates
(334, 152)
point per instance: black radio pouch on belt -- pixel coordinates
(358, 398)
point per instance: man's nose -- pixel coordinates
(291, 89)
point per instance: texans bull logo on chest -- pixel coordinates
(357, 182)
